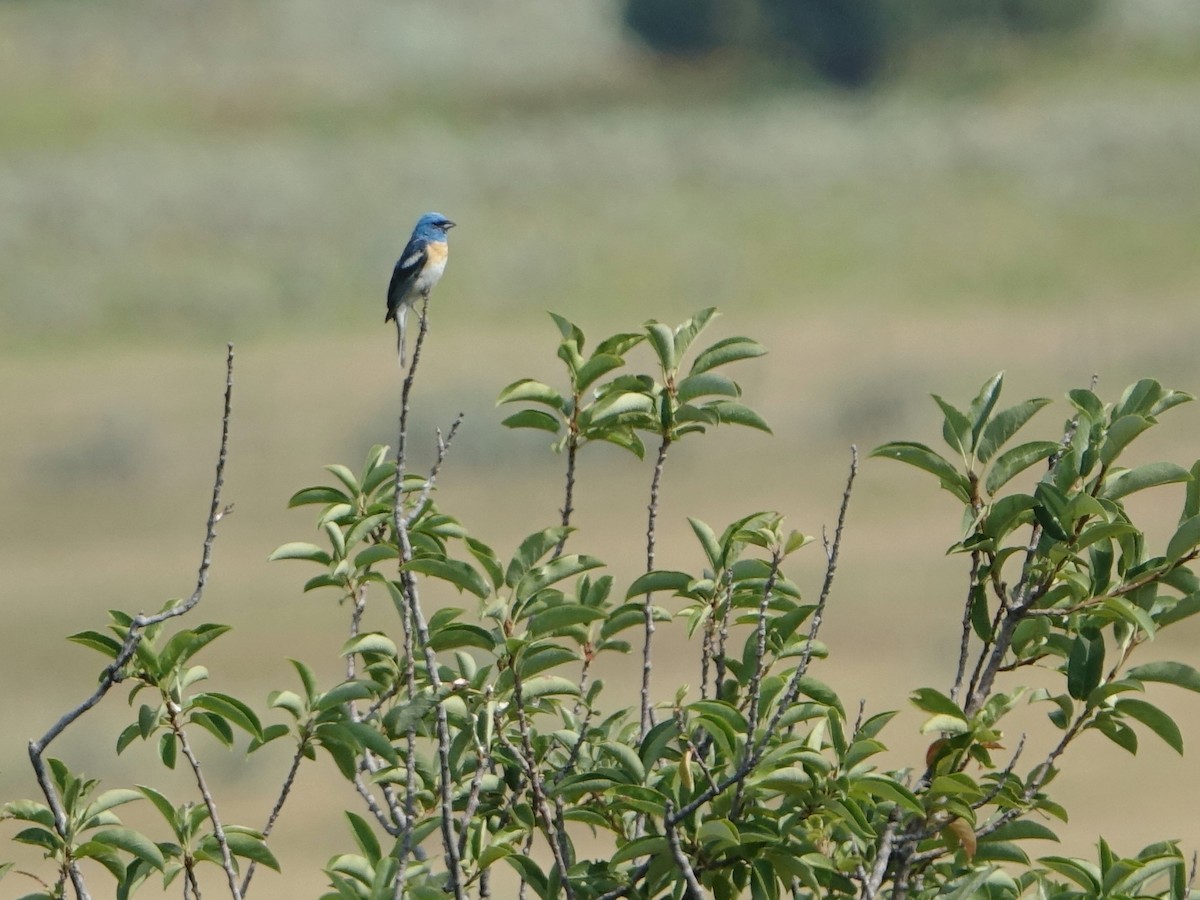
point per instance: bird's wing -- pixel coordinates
(408, 269)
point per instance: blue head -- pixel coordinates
(432, 227)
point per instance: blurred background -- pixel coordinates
(895, 197)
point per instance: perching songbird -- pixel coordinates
(417, 271)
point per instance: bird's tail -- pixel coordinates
(401, 315)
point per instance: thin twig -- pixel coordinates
(695, 891)
(792, 691)
(443, 447)
(647, 721)
(417, 633)
(525, 759)
(569, 493)
(872, 882)
(624, 890)
(113, 672)
(1024, 596)
(227, 863)
(756, 677)
(964, 648)
(284, 792)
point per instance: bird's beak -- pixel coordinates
(447, 225)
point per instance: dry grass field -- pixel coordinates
(171, 180)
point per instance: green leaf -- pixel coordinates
(956, 430)
(730, 413)
(168, 749)
(460, 574)
(1005, 424)
(529, 391)
(248, 845)
(620, 403)
(983, 404)
(109, 646)
(887, 789)
(708, 541)
(1138, 398)
(1085, 874)
(131, 842)
(922, 457)
(933, 701)
(564, 615)
(532, 418)
(1176, 673)
(554, 571)
(544, 657)
(1085, 664)
(1053, 511)
(461, 634)
(342, 693)
(945, 724)
(688, 331)
(598, 366)
(1182, 608)
(1191, 502)
(658, 580)
(370, 642)
(1103, 531)
(626, 616)
(28, 811)
(1120, 434)
(1184, 540)
(1123, 483)
(215, 725)
(723, 352)
(346, 477)
(323, 495)
(821, 692)
(187, 643)
(1012, 462)
(627, 759)
(545, 685)
(1005, 513)
(1154, 719)
(646, 846)
(1021, 830)
(662, 339)
(365, 837)
(619, 344)
(230, 708)
(301, 550)
(307, 677)
(486, 557)
(706, 384)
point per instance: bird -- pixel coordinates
(417, 270)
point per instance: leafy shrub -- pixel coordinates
(476, 737)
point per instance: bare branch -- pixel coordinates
(284, 792)
(113, 672)
(524, 756)
(760, 652)
(443, 447)
(572, 452)
(696, 892)
(964, 648)
(651, 534)
(417, 634)
(227, 863)
(883, 855)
